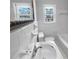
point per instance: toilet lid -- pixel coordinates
(49, 38)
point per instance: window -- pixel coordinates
(49, 13)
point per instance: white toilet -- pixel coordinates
(41, 36)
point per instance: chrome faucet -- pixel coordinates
(35, 51)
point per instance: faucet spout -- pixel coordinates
(35, 51)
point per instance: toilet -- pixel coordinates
(41, 37)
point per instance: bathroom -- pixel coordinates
(37, 31)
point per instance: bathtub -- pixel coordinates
(62, 43)
(49, 50)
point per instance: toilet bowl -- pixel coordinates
(49, 50)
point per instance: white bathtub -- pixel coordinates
(49, 50)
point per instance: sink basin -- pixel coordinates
(46, 52)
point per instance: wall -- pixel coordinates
(61, 24)
(20, 38)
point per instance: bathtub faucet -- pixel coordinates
(35, 51)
